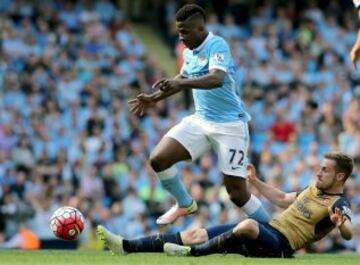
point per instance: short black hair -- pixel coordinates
(189, 10)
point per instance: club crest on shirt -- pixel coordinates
(202, 60)
(324, 201)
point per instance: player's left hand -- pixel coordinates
(337, 217)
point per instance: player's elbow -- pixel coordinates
(347, 236)
(283, 205)
(279, 200)
(216, 81)
(282, 202)
(286, 199)
(218, 78)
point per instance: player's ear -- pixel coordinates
(340, 176)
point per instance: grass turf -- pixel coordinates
(16, 257)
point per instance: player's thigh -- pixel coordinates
(169, 151)
(217, 230)
(268, 246)
(191, 135)
(231, 142)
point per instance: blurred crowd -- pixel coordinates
(68, 68)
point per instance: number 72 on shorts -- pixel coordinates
(236, 158)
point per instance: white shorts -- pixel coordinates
(230, 140)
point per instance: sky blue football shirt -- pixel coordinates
(222, 104)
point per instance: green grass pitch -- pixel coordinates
(49, 257)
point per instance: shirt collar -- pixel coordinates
(198, 48)
(320, 193)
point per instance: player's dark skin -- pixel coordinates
(168, 151)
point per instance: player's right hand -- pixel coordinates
(251, 172)
(140, 103)
(355, 53)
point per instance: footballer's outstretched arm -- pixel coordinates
(276, 196)
(346, 230)
(143, 101)
(214, 79)
(162, 94)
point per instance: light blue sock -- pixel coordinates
(260, 215)
(255, 210)
(171, 181)
(177, 188)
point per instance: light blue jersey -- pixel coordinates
(222, 104)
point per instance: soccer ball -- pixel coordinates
(67, 223)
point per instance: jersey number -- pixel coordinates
(240, 156)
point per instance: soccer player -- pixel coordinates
(355, 51)
(219, 122)
(309, 216)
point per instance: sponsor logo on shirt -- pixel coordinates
(325, 201)
(219, 57)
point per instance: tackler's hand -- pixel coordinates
(337, 217)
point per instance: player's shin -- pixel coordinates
(171, 181)
(223, 243)
(152, 243)
(255, 210)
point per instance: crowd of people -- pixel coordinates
(67, 137)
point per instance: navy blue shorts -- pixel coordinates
(219, 229)
(270, 242)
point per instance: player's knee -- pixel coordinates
(248, 228)
(157, 162)
(238, 197)
(237, 190)
(194, 236)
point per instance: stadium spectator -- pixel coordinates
(25, 239)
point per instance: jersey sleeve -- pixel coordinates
(183, 71)
(356, 3)
(343, 204)
(220, 56)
